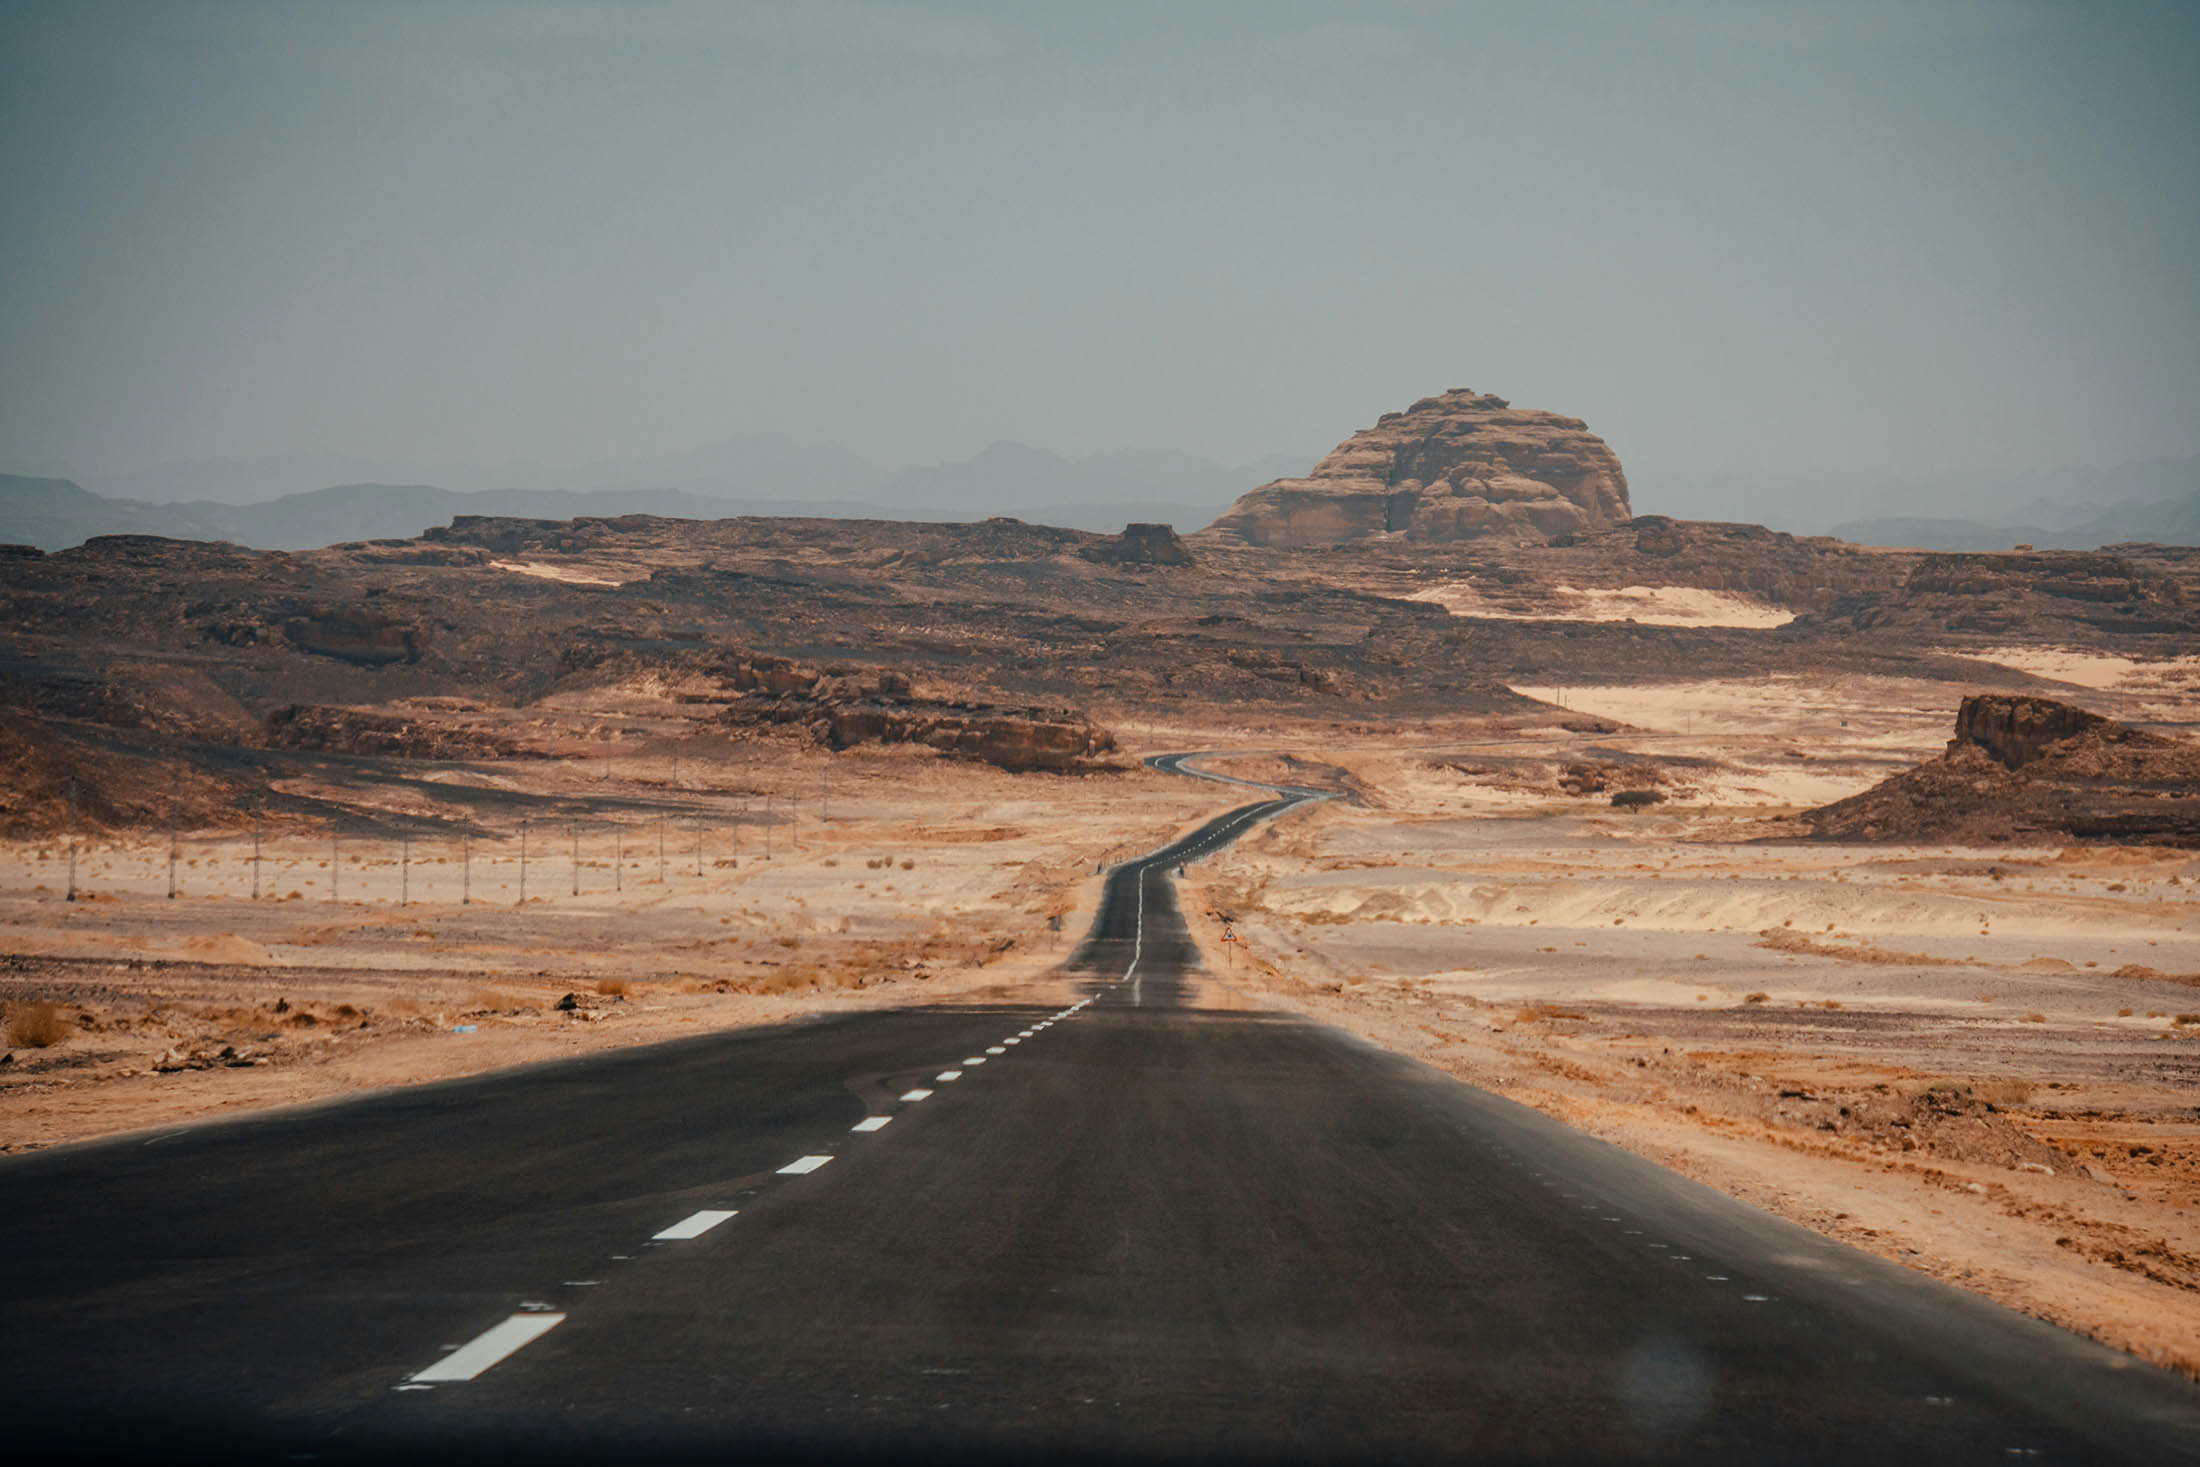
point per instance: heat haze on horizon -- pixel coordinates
(496, 244)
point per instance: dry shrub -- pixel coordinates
(789, 943)
(1756, 998)
(908, 865)
(786, 980)
(2004, 1092)
(612, 987)
(36, 1025)
(2035, 1018)
(489, 1000)
(2186, 1019)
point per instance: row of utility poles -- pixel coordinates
(466, 845)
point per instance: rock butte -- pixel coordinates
(1459, 466)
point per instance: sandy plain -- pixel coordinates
(1980, 1063)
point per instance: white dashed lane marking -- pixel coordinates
(500, 1341)
(694, 1225)
(488, 1347)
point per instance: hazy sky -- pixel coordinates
(1738, 236)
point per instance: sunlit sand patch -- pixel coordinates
(1870, 714)
(1658, 606)
(2099, 670)
(568, 574)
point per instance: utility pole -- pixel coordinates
(171, 842)
(676, 771)
(72, 840)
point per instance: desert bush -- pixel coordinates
(36, 1025)
(1756, 998)
(1636, 799)
(908, 865)
(611, 987)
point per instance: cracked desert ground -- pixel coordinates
(1980, 1063)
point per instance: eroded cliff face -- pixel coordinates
(1459, 466)
(2031, 769)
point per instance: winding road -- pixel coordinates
(1118, 1227)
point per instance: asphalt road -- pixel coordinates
(1126, 1228)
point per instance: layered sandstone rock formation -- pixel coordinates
(1455, 467)
(2024, 768)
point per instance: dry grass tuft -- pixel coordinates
(612, 987)
(36, 1025)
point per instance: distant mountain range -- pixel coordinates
(1101, 492)
(2057, 503)
(2169, 522)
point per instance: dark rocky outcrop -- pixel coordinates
(2024, 768)
(352, 731)
(2018, 730)
(842, 706)
(2024, 592)
(1459, 466)
(361, 637)
(1141, 545)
